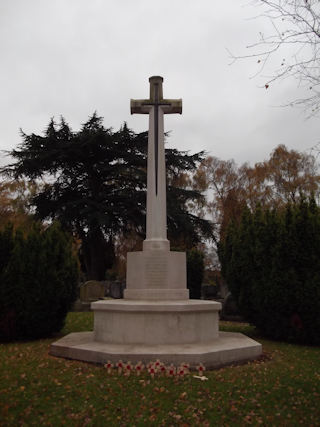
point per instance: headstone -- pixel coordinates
(92, 290)
(116, 289)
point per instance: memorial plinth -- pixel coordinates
(156, 275)
(156, 319)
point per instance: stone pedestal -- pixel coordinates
(156, 322)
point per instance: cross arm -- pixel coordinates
(169, 106)
(139, 106)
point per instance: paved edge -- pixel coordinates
(229, 348)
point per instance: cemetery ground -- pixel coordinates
(282, 388)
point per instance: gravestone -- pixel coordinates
(92, 290)
(116, 289)
(156, 319)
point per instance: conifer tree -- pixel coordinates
(96, 186)
(38, 282)
(271, 264)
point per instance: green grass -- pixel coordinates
(36, 389)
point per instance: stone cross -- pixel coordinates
(156, 318)
(156, 106)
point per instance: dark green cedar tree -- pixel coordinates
(96, 186)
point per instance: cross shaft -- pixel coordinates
(168, 106)
(156, 106)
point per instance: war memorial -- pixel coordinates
(156, 319)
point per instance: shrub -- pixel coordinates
(271, 264)
(195, 272)
(38, 282)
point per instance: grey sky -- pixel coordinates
(72, 57)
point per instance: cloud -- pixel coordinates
(73, 57)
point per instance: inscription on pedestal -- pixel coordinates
(156, 271)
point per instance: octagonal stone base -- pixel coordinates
(172, 331)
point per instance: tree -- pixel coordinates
(223, 179)
(290, 174)
(295, 40)
(38, 281)
(96, 186)
(15, 203)
(270, 261)
(185, 231)
(283, 178)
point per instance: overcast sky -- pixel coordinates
(72, 57)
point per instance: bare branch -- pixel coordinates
(295, 31)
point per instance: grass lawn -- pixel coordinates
(37, 389)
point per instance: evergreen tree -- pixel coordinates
(271, 264)
(38, 282)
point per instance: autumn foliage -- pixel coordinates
(270, 261)
(273, 183)
(15, 203)
(38, 282)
